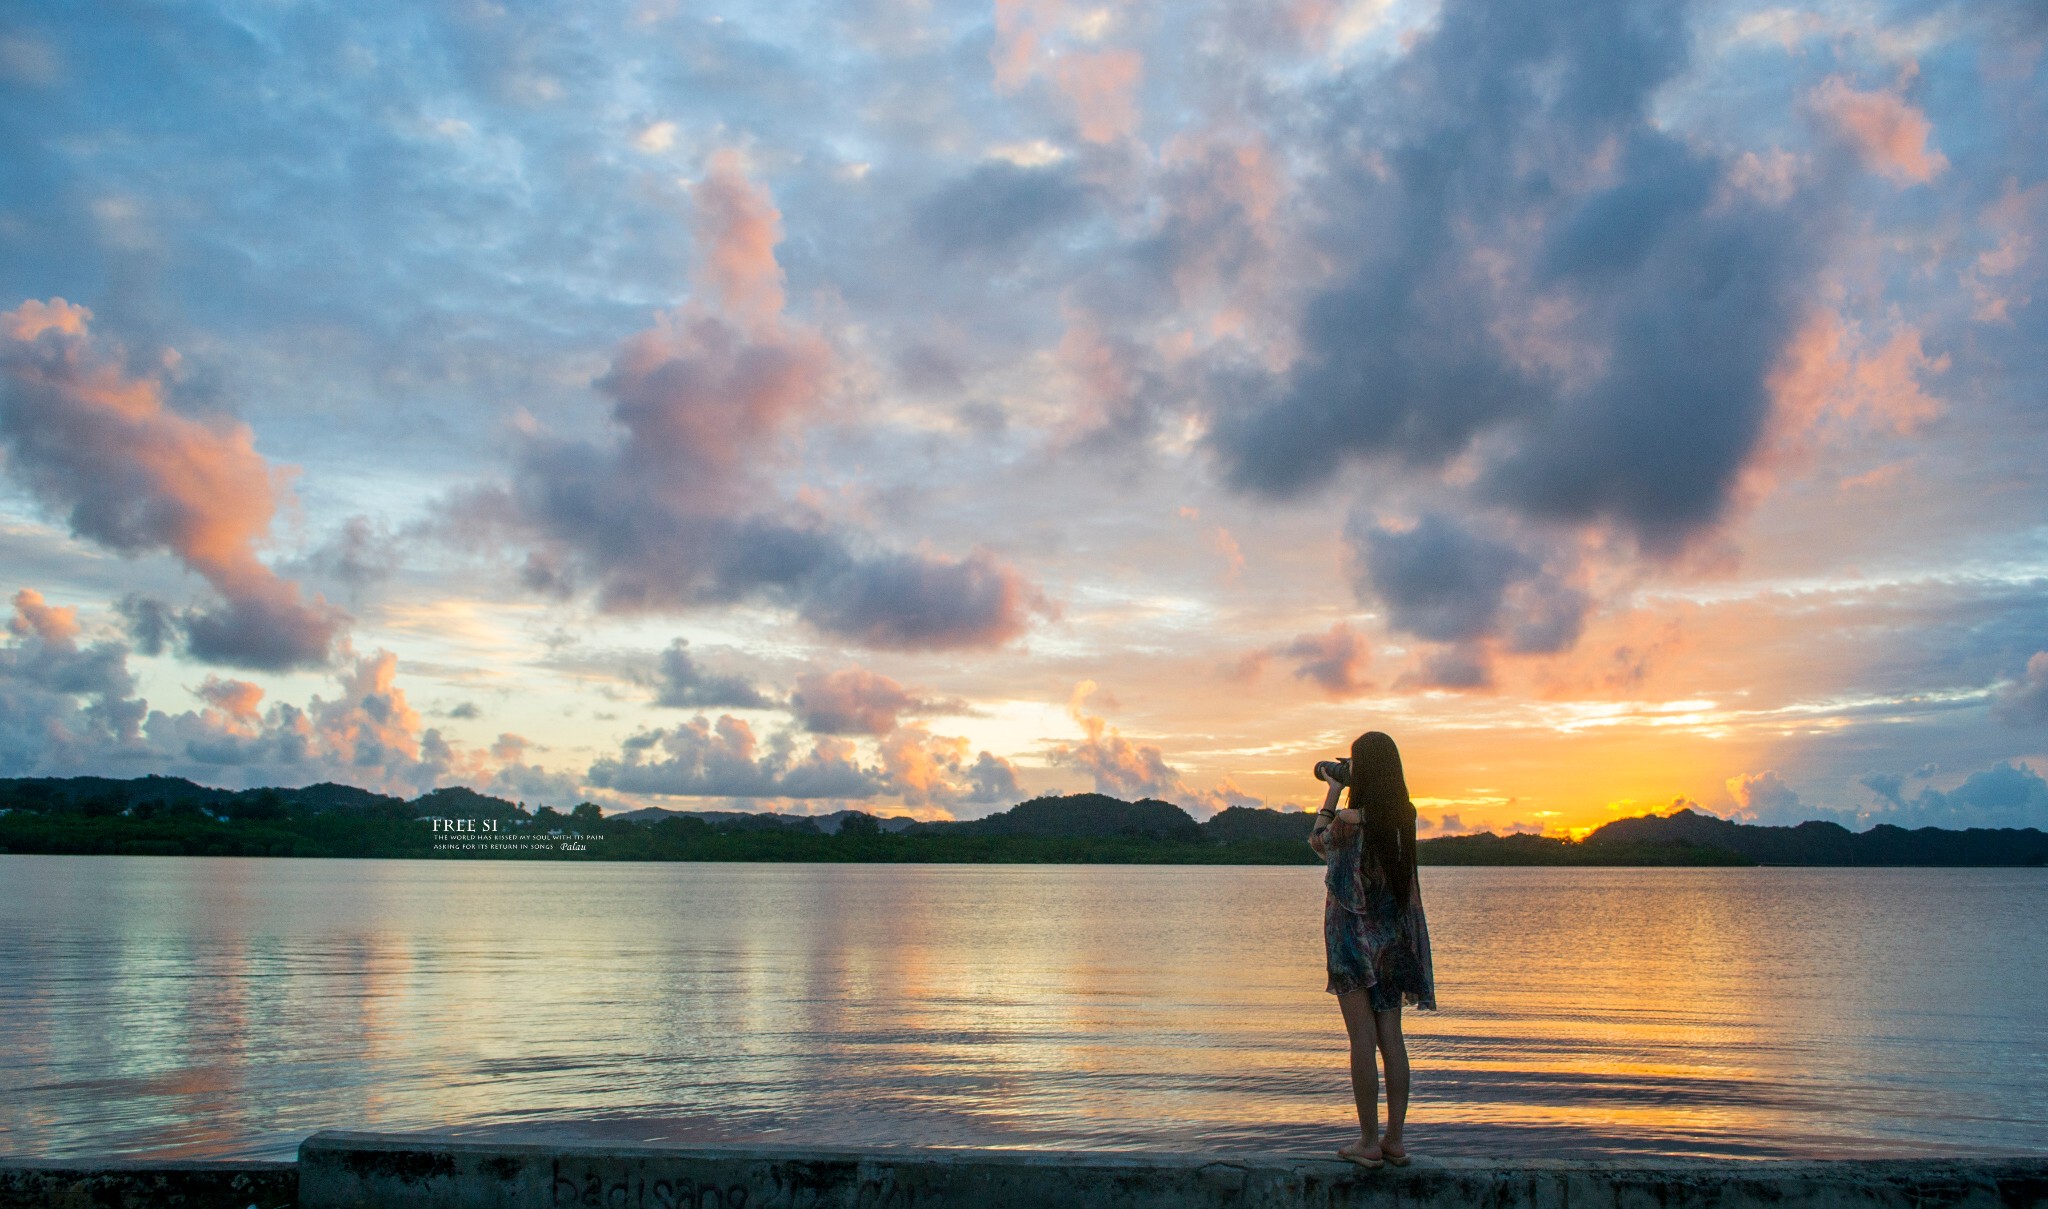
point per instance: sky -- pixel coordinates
(920, 406)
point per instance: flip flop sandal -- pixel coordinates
(1360, 1159)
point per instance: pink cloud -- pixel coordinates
(1224, 192)
(1102, 87)
(89, 437)
(1832, 383)
(737, 226)
(238, 699)
(47, 622)
(1016, 51)
(679, 510)
(1118, 766)
(1999, 278)
(1037, 38)
(850, 700)
(1886, 130)
(702, 402)
(1335, 660)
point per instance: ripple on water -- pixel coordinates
(222, 1007)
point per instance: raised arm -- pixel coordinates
(1318, 838)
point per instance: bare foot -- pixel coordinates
(1365, 1154)
(1393, 1152)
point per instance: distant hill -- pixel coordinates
(827, 824)
(1238, 824)
(105, 795)
(172, 816)
(329, 796)
(1082, 816)
(1816, 843)
(459, 802)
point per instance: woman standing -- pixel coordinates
(1373, 928)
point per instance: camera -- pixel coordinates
(1337, 772)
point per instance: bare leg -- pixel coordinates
(1365, 1076)
(1394, 1053)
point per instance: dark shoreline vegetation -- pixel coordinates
(168, 816)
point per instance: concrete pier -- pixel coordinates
(351, 1170)
(108, 1184)
(389, 1171)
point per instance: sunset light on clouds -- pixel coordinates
(920, 407)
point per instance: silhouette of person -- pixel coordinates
(1374, 931)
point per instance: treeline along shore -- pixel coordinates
(169, 816)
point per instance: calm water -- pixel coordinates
(229, 1007)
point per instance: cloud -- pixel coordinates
(1044, 39)
(237, 699)
(2001, 280)
(1122, 768)
(999, 209)
(50, 623)
(1886, 785)
(63, 706)
(992, 779)
(360, 555)
(1535, 273)
(1228, 793)
(1437, 581)
(2004, 795)
(701, 758)
(1335, 659)
(856, 701)
(68, 709)
(1441, 582)
(152, 624)
(1118, 766)
(1763, 797)
(366, 734)
(655, 137)
(671, 516)
(2024, 702)
(1102, 87)
(1886, 131)
(933, 770)
(91, 439)
(682, 683)
(1118, 395)
(1832, 381)
(737, 227)
(1459, 668)
(724, 759)
(1221, 234)
(264, 624)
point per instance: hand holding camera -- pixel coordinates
(1336, 772)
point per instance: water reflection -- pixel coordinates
(224, 1007)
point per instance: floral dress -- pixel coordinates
(1373, 943)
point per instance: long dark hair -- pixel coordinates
(1379, 793)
